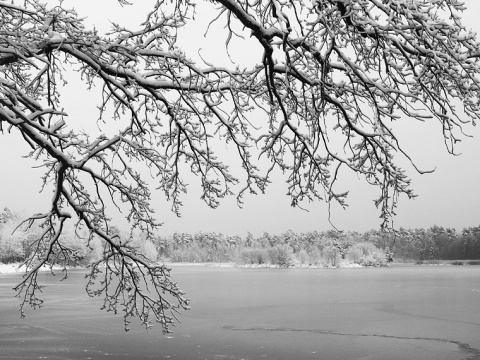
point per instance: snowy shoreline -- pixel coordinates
(17, 268)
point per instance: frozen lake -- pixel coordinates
(389, 313)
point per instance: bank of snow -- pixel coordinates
(8, 268)
(258, 266)
(20, 268)
(297, 266)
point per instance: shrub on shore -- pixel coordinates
(281, 255)
(253, 256)
(310, 258)
(366, 254)
(196, 253)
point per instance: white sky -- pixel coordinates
(449, 197)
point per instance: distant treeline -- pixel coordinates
(328, 248)
(435, 243)
(287, 249)
(406, 245)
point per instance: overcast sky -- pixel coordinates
(449, 197)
